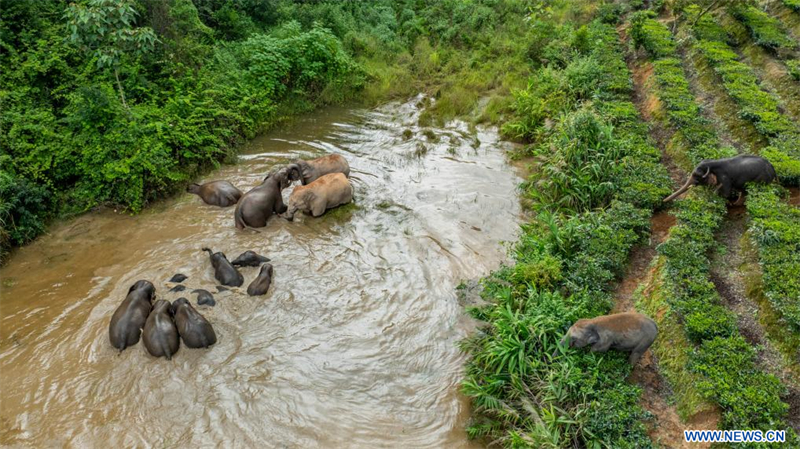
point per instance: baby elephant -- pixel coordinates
(216, 193)
(225, 273)
(260, 284)
(160, 335)
(325, 193)
(129, 318)
(629, 332)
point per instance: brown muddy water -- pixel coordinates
(355, 345)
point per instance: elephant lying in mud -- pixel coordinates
(728, 175)
(216, 193)
(309, 171)
(629, 332)
(257, 205)
(325, 193)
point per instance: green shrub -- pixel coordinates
(794, 4)
(24, 209)
(730, 366)
(766, 31)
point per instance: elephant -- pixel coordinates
(261, 283)
(178, 278)
(309, 171)
(630, 332)
(130, 317)
(249, 259)
(193, 328)
(224, 272)
(325, 193)
(160, 335)
(204, 297)
(178, 288)
(216, 193)
(728, 175)
(257, 205)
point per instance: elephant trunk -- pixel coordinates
(680, 191)
(289, 215)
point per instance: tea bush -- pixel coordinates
(766, 31)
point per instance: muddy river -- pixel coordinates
(355, 345)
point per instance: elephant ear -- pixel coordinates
(592, 336)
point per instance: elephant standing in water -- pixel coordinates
(216, 193)
(130, 317)
(325, 193)
(309, 171)
(728, 175)
(260, 203)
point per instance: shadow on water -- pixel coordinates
(355, 345)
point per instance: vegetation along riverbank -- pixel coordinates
(615, 102)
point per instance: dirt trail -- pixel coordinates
(794, 196)
(726, 268)
(666, 428)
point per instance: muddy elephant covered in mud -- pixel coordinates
(216, 193)
(130, 317)
(629, 332)
(309, 171)
(728, 175)
(325, 193)
(256, 206)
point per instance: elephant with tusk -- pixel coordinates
(728, 175)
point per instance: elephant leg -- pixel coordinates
(725, 186)
(318, 209)
(634, 357)
(601, 346)
(279, 206)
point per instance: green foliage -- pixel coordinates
(775, 227)
(794, 4)
(729, 380)
(757, 105)
(105, 29)
(24, 208)
(729, 364)
(794, 68)
(600, 174)
(652, 35)
(766, 31)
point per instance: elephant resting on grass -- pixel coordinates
(309, 171)
(729, 175)
(325, 193)
(629, 332)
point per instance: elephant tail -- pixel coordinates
(210, 252)
(239, 219)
